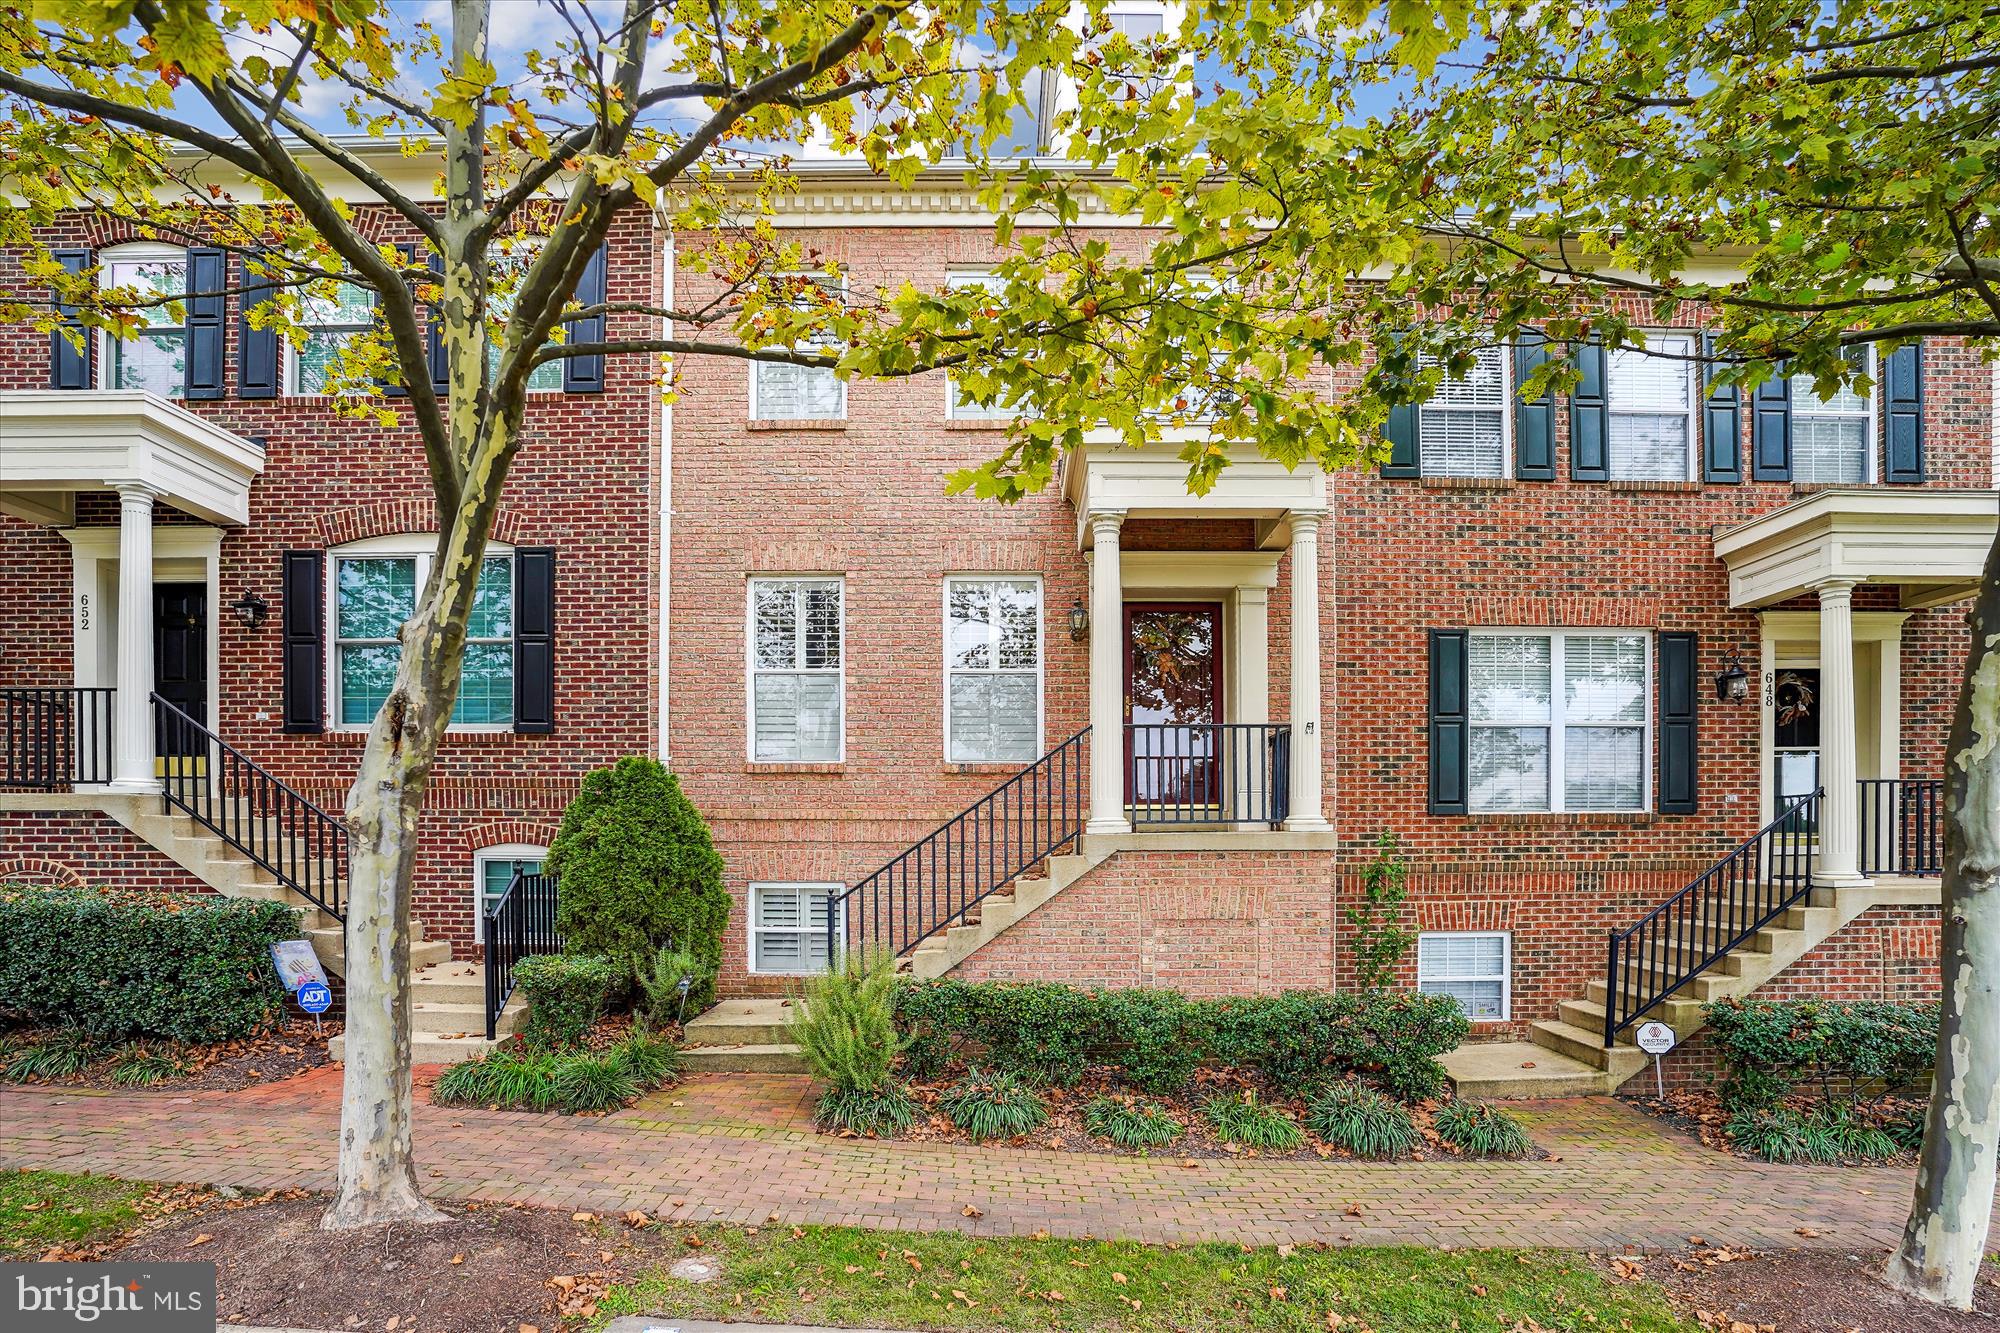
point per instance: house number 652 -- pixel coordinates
(83, 610)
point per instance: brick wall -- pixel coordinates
(76, 849)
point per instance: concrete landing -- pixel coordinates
(1520, 1069)
(742, 1036)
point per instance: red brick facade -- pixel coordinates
(81, 849)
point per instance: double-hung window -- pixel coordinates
(1832, 438)
(1651, 402)
(507, 264)
(1462, 429)
(993, 660)
(796, 683)
(957, 408)
(784, 392)
(1469, 966)
(154, 357)
(788, 927)
(374, 592)
(1559, 720)
(332, 322)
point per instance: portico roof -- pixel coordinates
(54, 443)
(1933, 543)
(1151, 482)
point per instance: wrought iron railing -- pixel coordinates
(934, 883)
(521, 924)
(1733, 900)
(1208, 772)
(1902, 826)
(226, 792)
(52, 739)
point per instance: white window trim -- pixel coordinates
(1804, 403)
(1506, 967)
(1508, 405)
(127, 252)
(485, 856)
(750, 931)
(1041, 653)
(290, 356)
(1558, 749)
(750, 664)
(422, 547)
(756, 367)
(1691, 470)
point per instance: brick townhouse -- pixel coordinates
(1659, 658)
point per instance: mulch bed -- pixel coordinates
(225, 1067)
(1699, 1111)
(1800, 1291)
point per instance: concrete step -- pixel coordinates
(1586, 1047)
(1683, 1016)
(452, 982)
(444, 1018)
(429, 1048)
(1520, 1069)
(742, 1022)
(754, 1058)
(330, 945)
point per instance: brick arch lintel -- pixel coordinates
(389, 518)
(39, 867)
(500, 832)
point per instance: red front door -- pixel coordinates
(1173, 702)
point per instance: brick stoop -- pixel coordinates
(742, 1037)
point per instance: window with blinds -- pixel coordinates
(1462, 430)
(1559, 721)
(957, 408)
(993, 658)
(788, 927)
(1651, 403)
(780, 392)
(1831, 437)
(797, 634)
(1470, 967)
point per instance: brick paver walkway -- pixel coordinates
(739, 1148)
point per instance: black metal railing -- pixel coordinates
(54, 739)
(1733, 900)
(227, 793)
(1902, 826)
(931, 885)
(522, 923)
(1208, 772)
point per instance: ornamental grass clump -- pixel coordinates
(1241, 1118)
(61, 1054)
(137, 1065)
(1129, 1123)
(845, 1028)
(1481, 1129)
(520, 1077)
(592, 1083)
(1820, 1136)
(1351, 1115)
(877, 1113)
(993, 1104)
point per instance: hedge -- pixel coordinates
(1851, 1049)
(565, 993)
(1159, 1038)
(184, 967)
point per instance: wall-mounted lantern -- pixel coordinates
(250, 609)
(1732, 683)
(1079, 622)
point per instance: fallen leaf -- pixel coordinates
(1353, 1210)
(395, 1322)
(1807, 1232)
(637, 1220)
(1119, 1278)
(692, 1241)
(458, 1258)
(970, 1211)
(1278, 1294)
(203, 1239)
(563, 1283)
(583, 1217)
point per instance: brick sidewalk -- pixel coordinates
(739, 1148)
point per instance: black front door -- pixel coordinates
(180, 648)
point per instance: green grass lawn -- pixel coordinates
(839, 1275)
(39, 1209)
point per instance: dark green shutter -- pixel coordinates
(1401, 431)
(1590, 416)
(1903, 416)
(304, 587)
(534, 640)
(207, 300)
(1771, 429)
(585, 374)
(1450, 735)
(434, 331)
(1534, 418)
(1721, 424)
(69, 365)
(1680, 689)
(257, 361)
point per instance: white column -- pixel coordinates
(1250, 778)
(1307, 800)
(1107, 678)
(132, 713)
(1839, 812)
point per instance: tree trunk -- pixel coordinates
(1944, 1242)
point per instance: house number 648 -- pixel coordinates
(1770, 687)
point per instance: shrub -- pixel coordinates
(1849, 1050)
(993, 1104)
(181, 967)
(1241, 1118)
(140, 1066)
(929, 1015)
(1161, 1036)
(1380, 943)
(1356, 1117)
(636, 869)
(882, 1112)
(845, 1026)
(1300, 1038)
(659, 980)
(1131, 1124)
(592, 1083)
(1481, 1129)
(565, 995)
(1906, 1129)
(60, 1054)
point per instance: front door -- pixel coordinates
(180, 649)
(1173, 703)
(1795, 715)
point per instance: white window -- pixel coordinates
(332, 321)
(1137, 22)
(154, 357)
(780, 392)
(956, 408)
(1471, 967)
(1560, 720)
(797, 647)
(507, 264)
(993, 670)
(788, 927)
(1463, 430)
(1832, 438)
(493, 869)
(374, 590)
(1651, 401)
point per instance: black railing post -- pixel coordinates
(1611, 992)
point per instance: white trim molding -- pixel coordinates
(63, 442)
(1932, 542)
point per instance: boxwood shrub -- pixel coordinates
(1841, 1052)
(184, 967)
(565, 995)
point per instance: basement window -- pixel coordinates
(788, 927)
(1469, 966)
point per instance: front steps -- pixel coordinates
(448, 1016)
(1002, 908)
(741, 1037)
(1566, 1057)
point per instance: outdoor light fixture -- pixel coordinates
(1079, 622)
(250, 609)
(1732, 683)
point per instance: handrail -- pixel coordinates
(1731, 901)
(933, 883)
(232, 796)
(522, 923)
(52, 737)
(1901, 826)
(1208, 772)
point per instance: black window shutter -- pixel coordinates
(1903, 415)
(1534, 418)
(1771, 429)
(585, 374)
(208, 279)
(69, 365)
(1679, 692)
(257, 365)
(434, 332)
(1721, 424)
(1590, 416)
(305, 641)
(534, 640)
(1450, 736)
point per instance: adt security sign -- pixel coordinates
(1656, 1039)
(315, 998)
